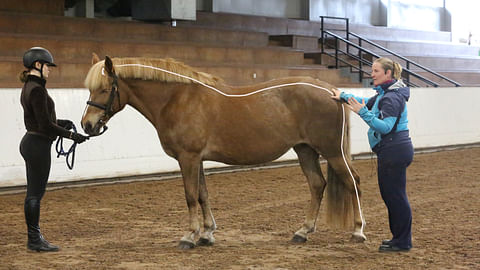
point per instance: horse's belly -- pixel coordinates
(242, 154)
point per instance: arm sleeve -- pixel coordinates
(61, 122)
(38, 99)
(344, 96)
(382, 126)
(390, 111)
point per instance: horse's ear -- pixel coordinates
(109, 66)
(95, 58)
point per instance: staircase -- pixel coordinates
(431, 49)
(238, 56)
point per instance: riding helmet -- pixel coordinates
(35, 54)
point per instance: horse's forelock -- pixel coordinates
(95, 79)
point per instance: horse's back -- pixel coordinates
(260, 127)
(278, 82)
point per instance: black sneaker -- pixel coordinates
(386, 242)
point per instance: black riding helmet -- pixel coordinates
(38, 54)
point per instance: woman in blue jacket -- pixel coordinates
(386, 115)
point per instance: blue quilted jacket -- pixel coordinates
(384, 112)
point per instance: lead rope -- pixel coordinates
(70, 154)
(262, 90)
(71, 150)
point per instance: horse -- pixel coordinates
(199, 117)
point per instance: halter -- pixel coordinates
(108, 107)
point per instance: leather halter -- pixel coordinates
(108, 107)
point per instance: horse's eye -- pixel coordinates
(103, 91)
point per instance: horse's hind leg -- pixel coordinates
(209, 225)
(347, 195)
(308, 159)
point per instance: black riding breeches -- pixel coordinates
(35, 150)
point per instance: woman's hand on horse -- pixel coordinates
(354, 105)
(336, 94)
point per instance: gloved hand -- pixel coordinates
(78, 138)
(66, 124)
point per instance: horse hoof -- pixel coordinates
(358, 238)
(204, 242)
(298, 239)
(184, 245)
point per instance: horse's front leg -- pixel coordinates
(209, 225)
(190, 167)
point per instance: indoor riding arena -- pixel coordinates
(124, 204)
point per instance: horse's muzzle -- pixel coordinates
(88, 128)
(94, 130)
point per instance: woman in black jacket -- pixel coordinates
(42, 129)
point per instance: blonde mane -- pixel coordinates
(95, 79)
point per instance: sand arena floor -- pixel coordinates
(138, 225)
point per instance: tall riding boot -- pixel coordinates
(35, 238)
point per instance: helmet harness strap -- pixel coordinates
(41, 68)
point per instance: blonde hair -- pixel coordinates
(389, 64)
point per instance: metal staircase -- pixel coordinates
(350, 51)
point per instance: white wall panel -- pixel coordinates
(437, 117)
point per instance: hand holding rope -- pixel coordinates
(70, 154)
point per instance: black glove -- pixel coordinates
(66, 124)
(78, 138)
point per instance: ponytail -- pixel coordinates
(397, 71)
(23, 75)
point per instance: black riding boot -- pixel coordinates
(35, 238)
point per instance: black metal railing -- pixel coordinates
(358, 59)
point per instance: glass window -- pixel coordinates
(428, 3)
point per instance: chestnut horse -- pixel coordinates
(198, 117)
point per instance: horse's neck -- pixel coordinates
(148, 97)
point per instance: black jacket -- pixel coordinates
(39, 110)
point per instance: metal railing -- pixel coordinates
(357, 61)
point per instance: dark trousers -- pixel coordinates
(392, 180)
(35, 150)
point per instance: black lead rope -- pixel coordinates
(70, 154)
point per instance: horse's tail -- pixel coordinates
(340, 192)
